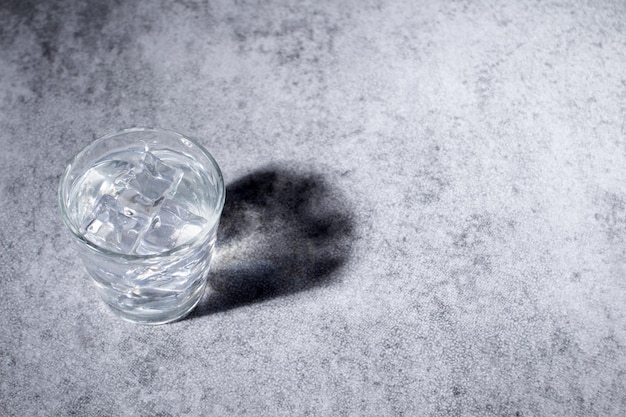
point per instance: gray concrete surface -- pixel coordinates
(426, 211)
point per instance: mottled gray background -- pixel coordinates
(426, 210)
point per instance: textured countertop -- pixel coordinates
(426, 207)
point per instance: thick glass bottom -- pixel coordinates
(158, 316)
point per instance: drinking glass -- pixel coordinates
(143, 206)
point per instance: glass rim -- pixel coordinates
(221, 197)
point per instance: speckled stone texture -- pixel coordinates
(426, 210)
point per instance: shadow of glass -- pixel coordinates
(281, 232)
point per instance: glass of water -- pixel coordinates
(143, 206)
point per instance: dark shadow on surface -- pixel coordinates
(281, 232)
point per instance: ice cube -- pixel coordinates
(172, 226)
(122, 180)
(154, 179)
(135, 204)
(109, 226)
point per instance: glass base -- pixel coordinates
(156, 317)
